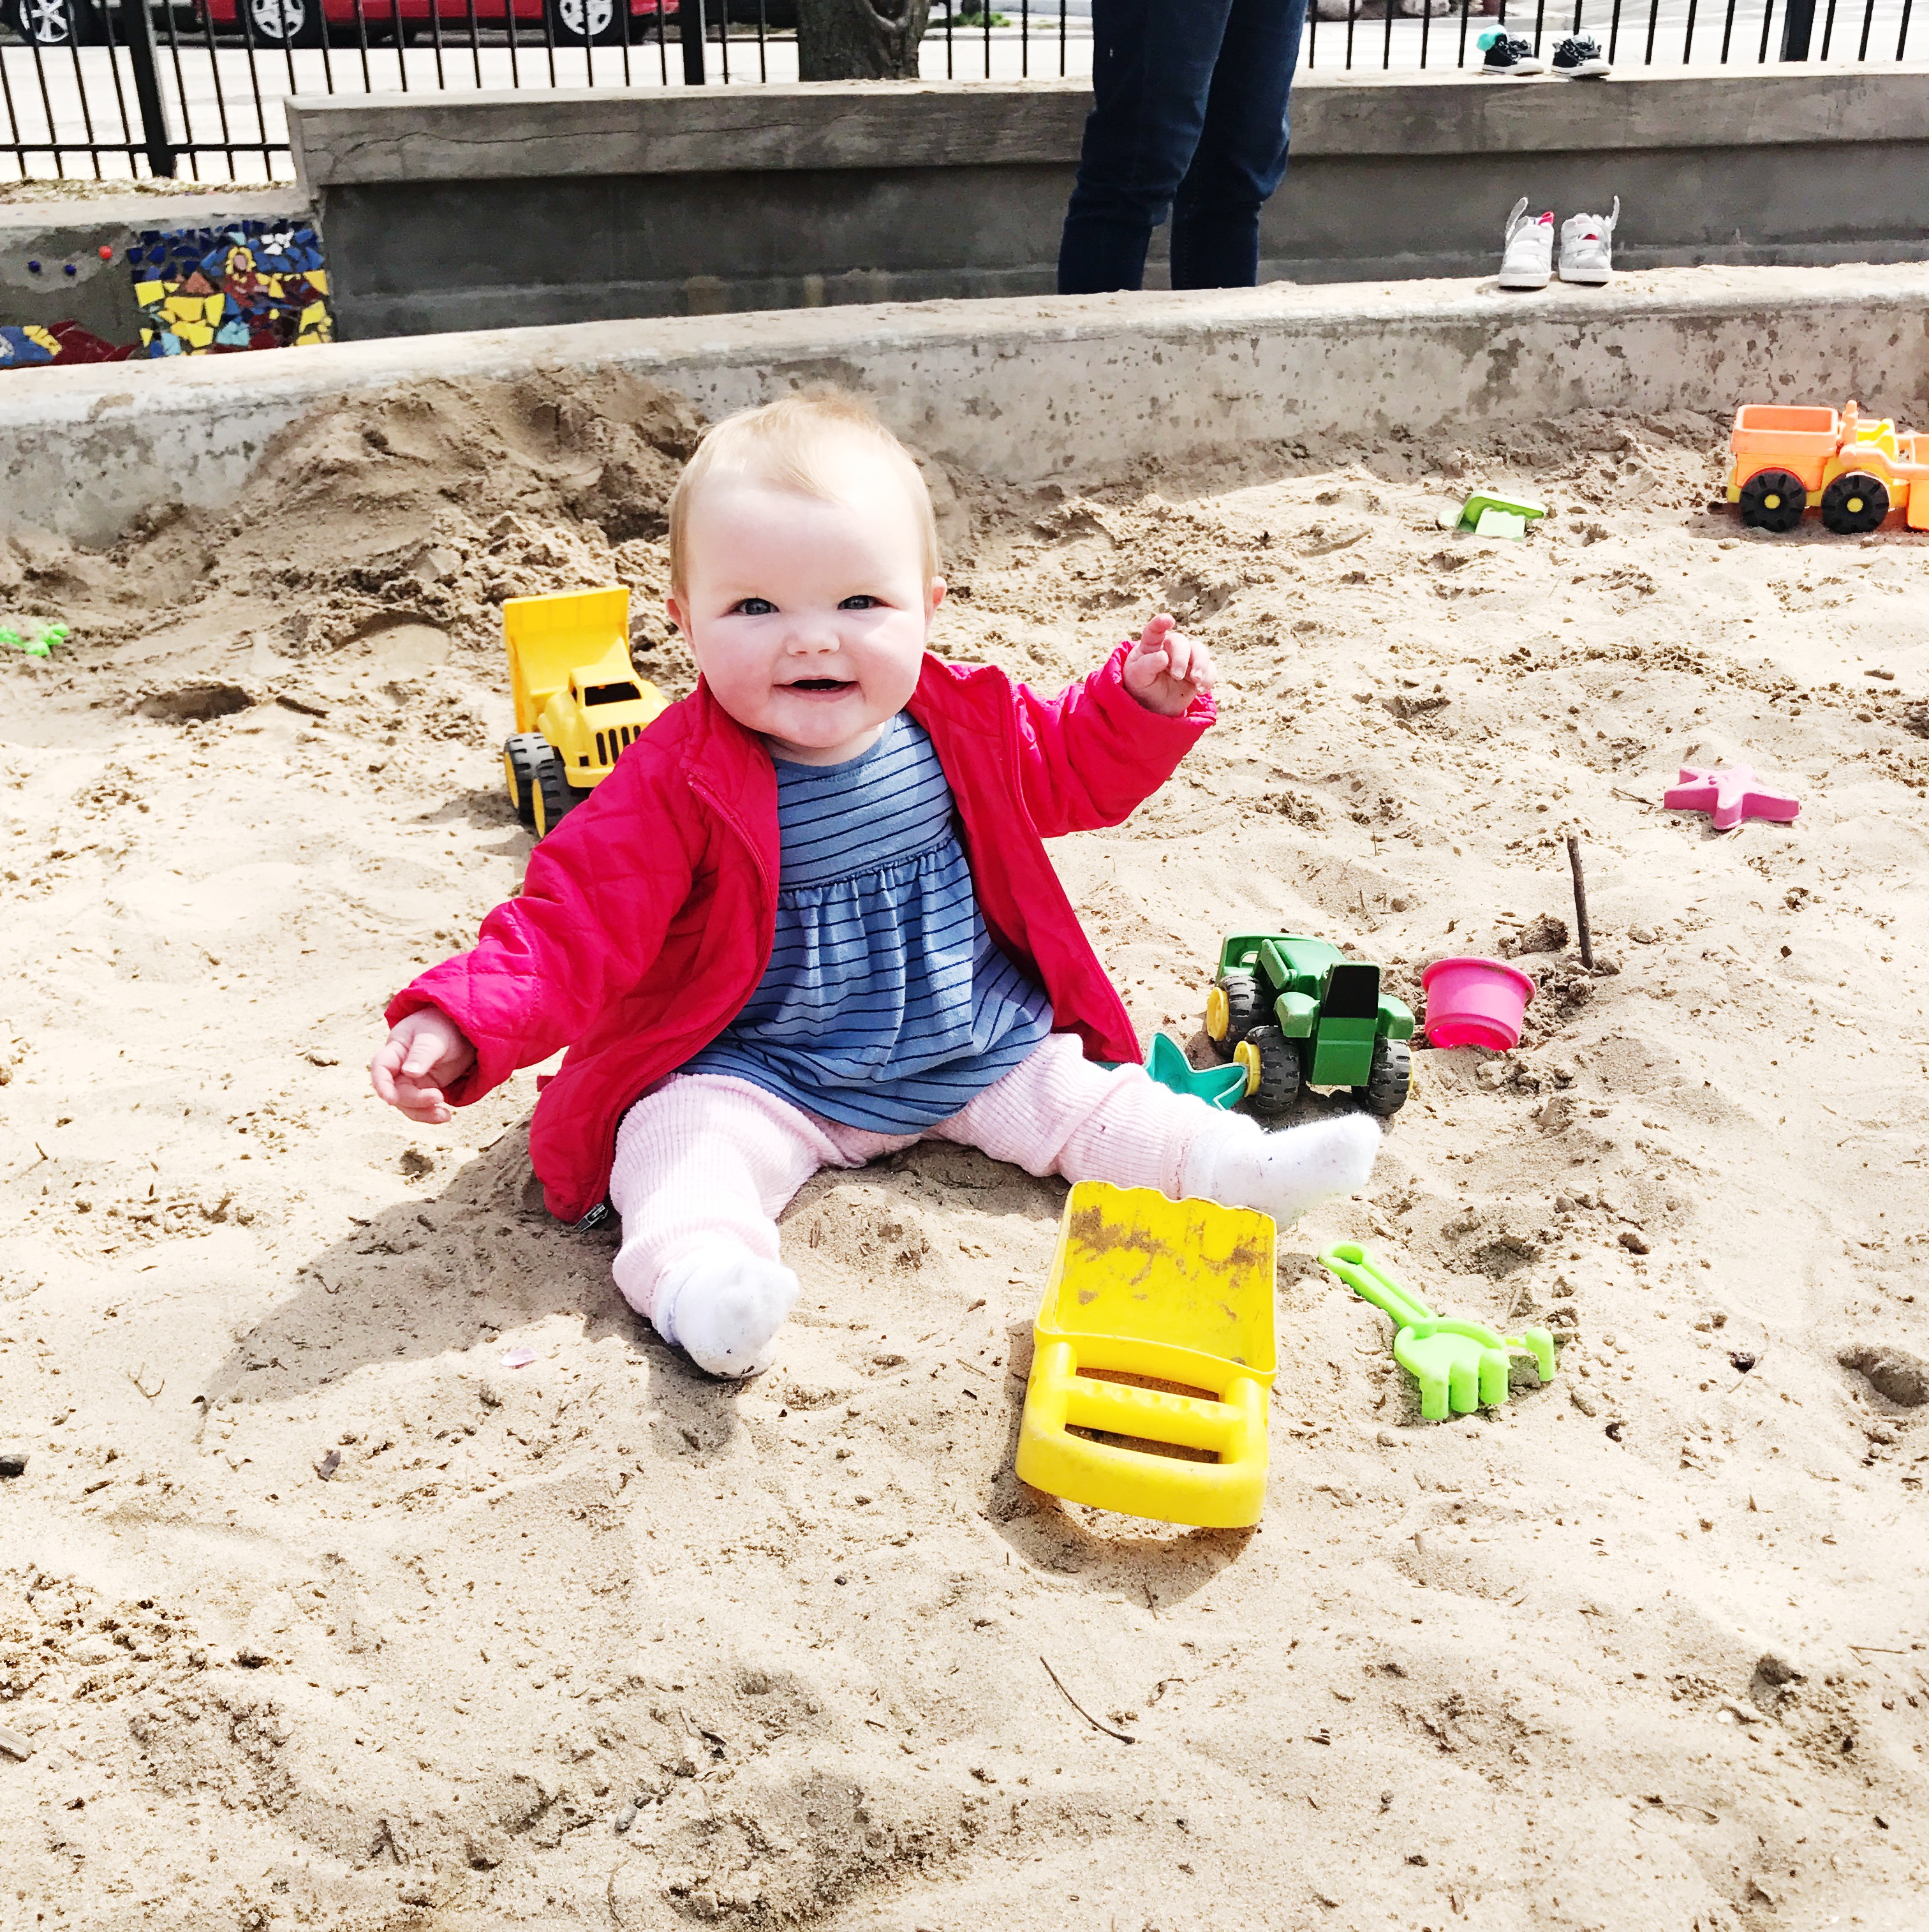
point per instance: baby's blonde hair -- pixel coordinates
(792, 443)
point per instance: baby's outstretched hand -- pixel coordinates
(425, 1051)
(1167, 670)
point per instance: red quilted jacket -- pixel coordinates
(645, 918)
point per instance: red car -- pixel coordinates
(309, 23)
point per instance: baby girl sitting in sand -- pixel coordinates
(808, 919)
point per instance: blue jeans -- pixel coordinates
(1189, 117)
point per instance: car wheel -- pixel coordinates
(55, 23)
(1854, 503)
(1772, 499)
(578, 23)
(285, 23)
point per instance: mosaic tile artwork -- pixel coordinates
(32, 346)
(210, 291)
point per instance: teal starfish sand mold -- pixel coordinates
(1217, 1086)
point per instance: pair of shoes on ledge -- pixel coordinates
(1510, 57)
(1587, 248)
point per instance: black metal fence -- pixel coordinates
(193, 88)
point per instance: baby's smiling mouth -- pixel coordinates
(822, 685)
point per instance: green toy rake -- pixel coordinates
(1459, 1365)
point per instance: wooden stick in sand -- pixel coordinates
(1124, 1737)
(1580, 902)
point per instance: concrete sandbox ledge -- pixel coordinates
(1028, 389)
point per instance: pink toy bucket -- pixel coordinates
(1475, 1003)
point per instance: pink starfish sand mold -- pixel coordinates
(1730, 793)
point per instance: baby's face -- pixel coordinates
(808, 619)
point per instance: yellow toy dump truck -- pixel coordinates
(1856, 472)
(579, 700)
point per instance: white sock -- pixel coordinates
(722, 1306)
(1281, 1174)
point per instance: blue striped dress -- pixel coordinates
(885, 1004)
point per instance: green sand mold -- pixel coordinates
(1458, 1364)
(1487, 515)
(41, 644)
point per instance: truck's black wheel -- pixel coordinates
(1266, 1052)
(555, 796)
(1236, 1004)
(1390, 1079)
(519, 756)
(1855, 502)
(1772, 499)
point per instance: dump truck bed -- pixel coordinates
(548, 638)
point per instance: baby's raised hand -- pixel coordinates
(425, 1051)
(1167, 670)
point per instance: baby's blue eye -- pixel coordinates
(863, 602)
(753, 607)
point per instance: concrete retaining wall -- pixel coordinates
(1029, 389)
(482, 210)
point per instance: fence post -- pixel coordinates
(146, 86)
(1797, 24)
(690, 31)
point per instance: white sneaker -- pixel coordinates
(1529, 262)
(1587, 246)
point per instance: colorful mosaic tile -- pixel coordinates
(33, 346)
(22, 348)
(210, 291)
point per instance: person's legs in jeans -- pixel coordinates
(1151, 73)
(1241, 156)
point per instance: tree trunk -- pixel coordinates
(860, 40)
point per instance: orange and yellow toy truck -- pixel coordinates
(1858, 474)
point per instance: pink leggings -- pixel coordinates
(705, 1160)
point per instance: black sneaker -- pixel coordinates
(1579, 57)
(1509, 57)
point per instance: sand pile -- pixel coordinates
(314, 1612)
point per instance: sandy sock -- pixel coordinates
(1281, 1174)
(722, 1307)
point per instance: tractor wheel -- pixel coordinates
(1772, 499)
(1235, 1005)
(1856, 502)
(519, 757)
(1272, 1062)
(555, 796)
(1389, 1080)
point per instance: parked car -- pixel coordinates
(306, 23)
(81, 23)
(47, 23)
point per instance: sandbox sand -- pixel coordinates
(313, 1612)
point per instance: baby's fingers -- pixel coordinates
(1191, 662)
(425, 1050)
(383, 1068)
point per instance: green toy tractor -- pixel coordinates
(1297, 1013)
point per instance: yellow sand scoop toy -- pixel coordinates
(1154, 1359)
